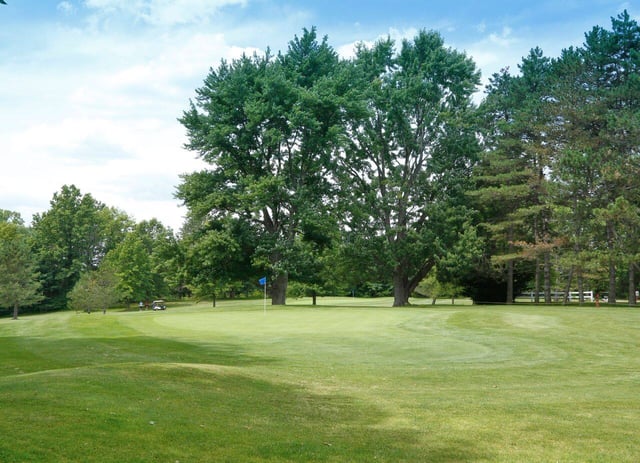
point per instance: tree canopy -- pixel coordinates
(19, 279)
(267, 125)
(367, 175)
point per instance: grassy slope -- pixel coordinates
(334, 383)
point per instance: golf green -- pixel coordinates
(349, 380)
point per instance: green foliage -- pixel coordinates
(562, 147)
(166, 257)
(597, 94)
(267, 126)
(218, 255)
(19, 279)
(408, 156)
(95, 290)
(72, 237)
(131, 263)
(432, 287)
(10, 217)
(365, 173)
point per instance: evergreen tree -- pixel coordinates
(19, 278)
(96, 289)
(597, 90)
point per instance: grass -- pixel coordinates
(350, 380)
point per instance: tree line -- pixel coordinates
(376, 174)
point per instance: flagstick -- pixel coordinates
(265, 297)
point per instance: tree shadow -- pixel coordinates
(178, 412)
(152, 399)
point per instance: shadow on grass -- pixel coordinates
(178, 412)
(23, 354)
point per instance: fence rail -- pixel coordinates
(559, 295)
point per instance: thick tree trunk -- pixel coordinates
(401, 287)
(15, 311)
(400, 291)
(279, 289)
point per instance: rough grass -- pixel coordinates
(349, 380)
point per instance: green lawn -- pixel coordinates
(350, 380)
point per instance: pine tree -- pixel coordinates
(19, 283)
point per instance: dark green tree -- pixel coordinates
(165, 257)
(96, 289)
(131, 263)
(19, 279)
(502, 186)
(218, 256)
(409, 157)
(597, 99)
(512, 183)
(267, 126)
(69, 239)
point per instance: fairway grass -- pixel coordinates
(349, 380)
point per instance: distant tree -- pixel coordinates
(131, 263)
(218, 254)
(502, 185)
(96, 289)
(164, 256)
(10, 217)
(432, 287)
(73, 237)
(19, 278)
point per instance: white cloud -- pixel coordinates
(504, 39)
(497, 50)
(94, 92)
(348, 50)
(65, 7)
(164, 12)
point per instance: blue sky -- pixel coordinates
(90, 90)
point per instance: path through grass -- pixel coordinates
(339, 382)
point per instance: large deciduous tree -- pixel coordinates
(267, 126)
(96, 289)
(409, 156)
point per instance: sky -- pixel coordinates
(91, 90)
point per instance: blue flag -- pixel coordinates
(262, 281)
